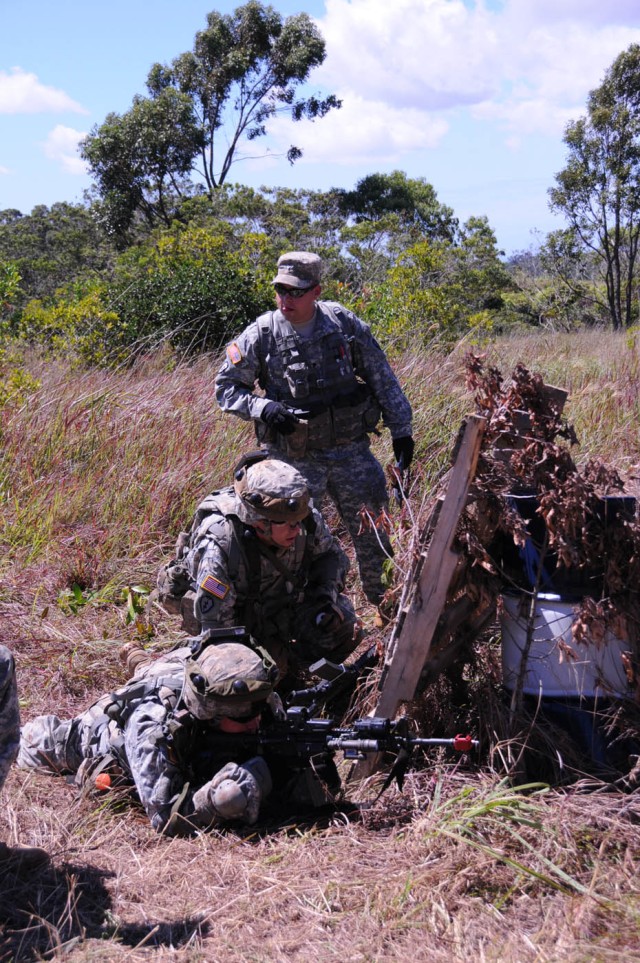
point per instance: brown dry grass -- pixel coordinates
(99, 472)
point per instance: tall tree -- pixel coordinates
(412, 200)
(599, 189)
(140, 159)
(245, 68)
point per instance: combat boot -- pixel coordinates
(133, 657)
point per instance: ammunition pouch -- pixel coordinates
(347, 419)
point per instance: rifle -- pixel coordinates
(299, 738)
(397, 476)
(338, 680)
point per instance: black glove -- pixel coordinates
(276, 416)
(403, 450)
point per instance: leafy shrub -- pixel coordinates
(9, 285)
(189, 289)
(79, 325)
(15, 384)
(438, 292)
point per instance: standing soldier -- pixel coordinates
(324, 383)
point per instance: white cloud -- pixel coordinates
(360, 130)
(592, 13)
(527, 65)
(62, 146)
(522, 118)
(428, 54)
(4, 170)
(22, 93)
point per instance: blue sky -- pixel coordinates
(472, 95)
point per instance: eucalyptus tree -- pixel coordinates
(387, 213)
(412, 201)
(140, 160)
(599, 189)
(244, 69)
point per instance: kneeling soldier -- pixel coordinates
(260, 555)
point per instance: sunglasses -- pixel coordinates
(295, 293)
(291, 525)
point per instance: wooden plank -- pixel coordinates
(409, 651)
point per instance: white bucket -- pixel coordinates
(556, 665)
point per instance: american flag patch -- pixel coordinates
(234, 354)
(214, 587)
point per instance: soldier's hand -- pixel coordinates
(237, 792)
(276, 416)
(403, 451)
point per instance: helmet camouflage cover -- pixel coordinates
(273, 490)
(229, 679)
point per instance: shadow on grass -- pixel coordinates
(51, 910)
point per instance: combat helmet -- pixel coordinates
(269, 489)
(229, 679)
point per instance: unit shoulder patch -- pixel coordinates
(214, 587)
(234, 354)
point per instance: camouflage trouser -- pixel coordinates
(353, 478)
(9, 713)
(60, 746)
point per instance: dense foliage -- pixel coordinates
(405, 265)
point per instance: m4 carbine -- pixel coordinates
(299, 738)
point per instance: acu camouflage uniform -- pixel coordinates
(143, 734)
(9, 713)
(340, 375)
(275, 594)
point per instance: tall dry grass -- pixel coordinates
(99, 473)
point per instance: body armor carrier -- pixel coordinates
(320, 381)
(177, 577)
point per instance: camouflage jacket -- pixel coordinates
(229, 591)
(340, 356)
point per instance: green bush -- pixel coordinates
(77, 324)
(188, 289)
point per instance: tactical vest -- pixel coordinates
(179, 576)
(184, 734)
(339, 407)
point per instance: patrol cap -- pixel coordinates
(229, 679)
(299, 269)
(271, 489)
